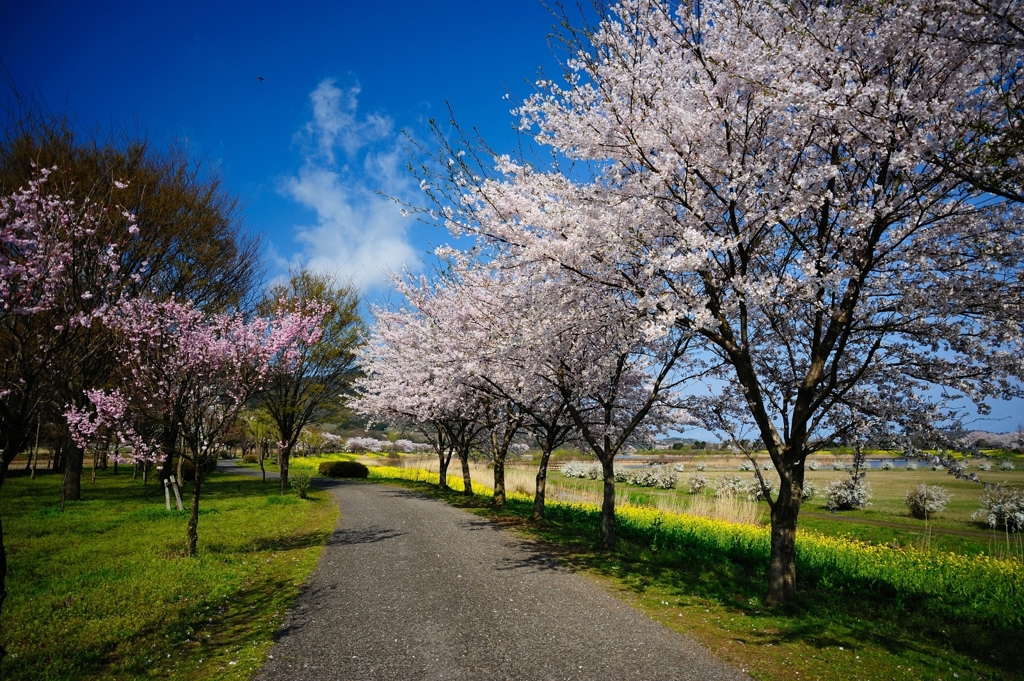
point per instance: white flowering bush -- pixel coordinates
(1003, 507)
(678, 468)
(730, 486)
(938, 467)
(886, 466)
(756, 493)
(701, 466)
(911, 466)
(844, 494)
(986, 466)
(582, 470)
(746, 466)
(925, 501)
(698, 482)
(838, 465)
(809, 491)
(1006, 465)
(813, 465)
(653, 476)
(766, 466)
(518, 448)
(621, 474)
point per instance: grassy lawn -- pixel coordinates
(837, 629)
(101, 591)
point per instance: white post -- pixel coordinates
(177, 493)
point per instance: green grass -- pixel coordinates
(102, 590)
(307, 464)
(863, 612)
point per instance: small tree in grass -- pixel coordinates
(924, 501)
(182, 368)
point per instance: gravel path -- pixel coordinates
(411, 588)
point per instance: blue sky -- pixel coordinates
(307, 148)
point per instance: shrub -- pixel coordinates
(926, 500)
(813, 465)
(756, 493)
(343, 469)
(938, 467)
(838, 465)
(911, 466)
(697, 482)
(678, 468)
(730, 486)
(301, 482)
(746, 466)
(986, 466)
(766, 466)
(701, 465)
(250, 458)
(809, 491)
(653, 476)
(844, 494)
(580, 469)
(886, 466)
(1003, 507)
(1006, 465)
(621, 474)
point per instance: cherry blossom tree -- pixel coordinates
(44, 303)
(509, 338)
(194, 372)
(819, 196)
(411, 378)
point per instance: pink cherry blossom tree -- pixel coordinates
(54, 273)
(798, 190)
(189, 372)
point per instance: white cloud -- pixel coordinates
(358, 234)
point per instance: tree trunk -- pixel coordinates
(608, 505)
(73, 463)
(499, 478)
(168, 438)
(542, 485)
(467, 479)
(286, 454)
(192, 534)
(442, 467)
(782, 563)
(263, 456)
